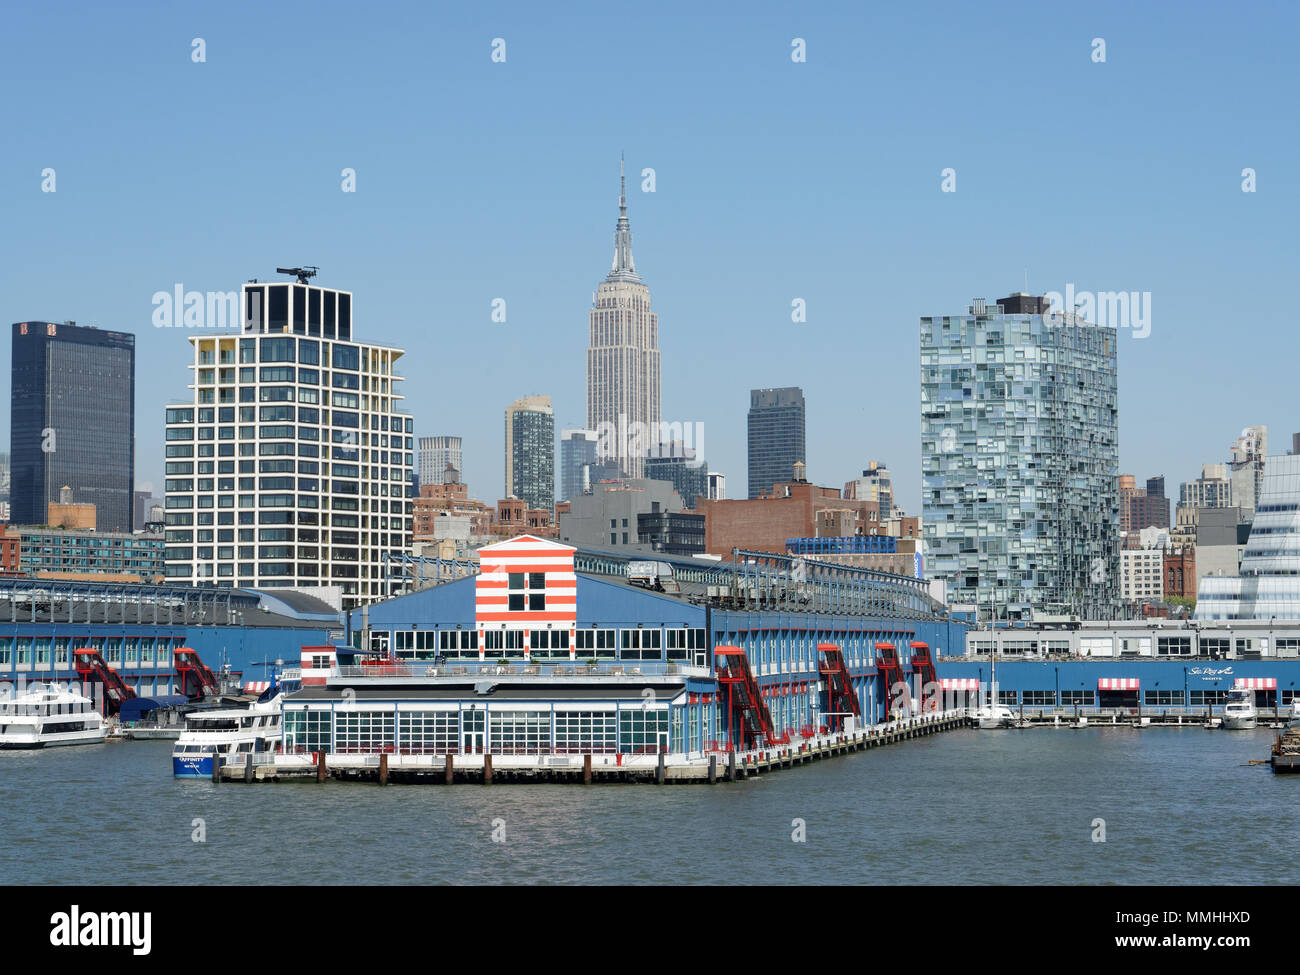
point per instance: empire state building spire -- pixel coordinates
(623, 269)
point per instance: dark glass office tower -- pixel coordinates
(776, 436)
(72, 421)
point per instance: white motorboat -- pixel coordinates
(48, 715)
(222, 734)
(1240, 713)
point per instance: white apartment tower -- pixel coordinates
(292, 466)
(623, 388)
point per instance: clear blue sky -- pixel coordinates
(775, 180)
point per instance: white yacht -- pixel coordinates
(1240, 713)
(992, 716)
(47, 715)
(225, 733)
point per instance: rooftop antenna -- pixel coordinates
(303, 273)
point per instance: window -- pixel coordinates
(1039, 698)
(503, 643)
(641, 645)
(519, 732)
(1174, 646)
(549, 643)
(1202, 698)
(642, 732)
(595, 643)
(364, 732)
(682, 644)
(428, 732)
(307, 730)
(586, 732)
(1164, 698)
(1082, 698)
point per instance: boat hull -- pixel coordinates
(30, 741)
(1241, 723)
(192, 767)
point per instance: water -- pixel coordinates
(1180, 807)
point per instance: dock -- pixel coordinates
(1170, 717)
(658, 768)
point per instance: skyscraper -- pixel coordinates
(1267, 584)
(72, 421)
(530, 451)
(1020, 460)
(293, 463)
(683, 468)
(436, 455)
(623, 390)
(577, 454)
(776, 436)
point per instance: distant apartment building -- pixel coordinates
(776, 436)
(437, 454)
(1142, 575)
(577, 456)
(793, 509)
(1141, 508)
(51, 553)
(1221, 538)
(1020, 459)
(1213, 489)
(72, 421)
(876, 485)
(530, 452)
(670, 532)
(451, 499)
(291, 467)
(680, 466)
(10, 547)
(717, 486)
(607, 517)
(1246, 467)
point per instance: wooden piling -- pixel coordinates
(713, 769)
(586, 770)
(731, 766)
(383, 768)
(659, 770)
(449, 769)
(487, 769)
(320, 766)
(248, 767)
(216, 767)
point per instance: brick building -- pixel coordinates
(1180, 572)
(792, 509)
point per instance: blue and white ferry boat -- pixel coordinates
(222, 734)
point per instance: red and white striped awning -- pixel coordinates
(1117, 684)
(959, 683)
(256, 686)
(1255, 683)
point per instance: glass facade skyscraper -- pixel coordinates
(1020, 460)
(1268, 583)
(72, 421)
(577, 455)
(776, 436)
(530, 451)
(292, 466)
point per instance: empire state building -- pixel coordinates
(623, 404)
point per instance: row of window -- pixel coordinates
(606, 643)
(597, 731)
